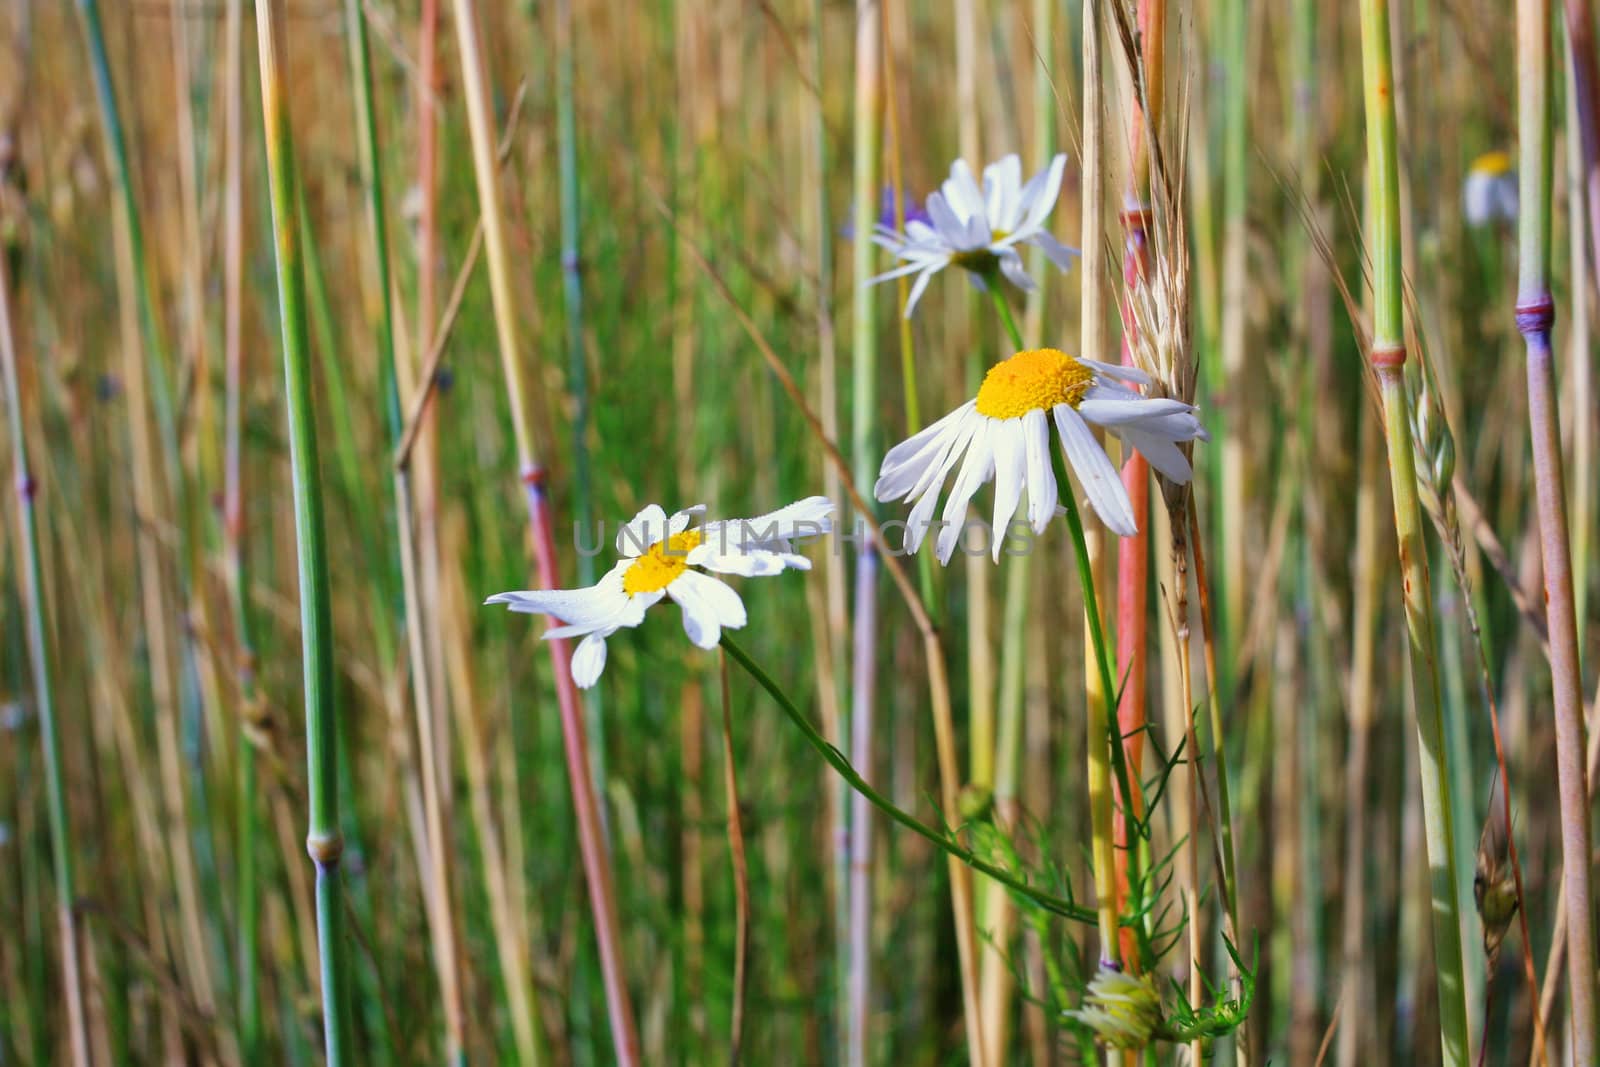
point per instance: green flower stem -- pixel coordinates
(1388, 360)
(1100, 724)
(837, 760)
(998, 297)
(323, 840)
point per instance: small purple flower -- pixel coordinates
(914, 210)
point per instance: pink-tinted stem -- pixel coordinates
(1534, 319)
(1133, 571)
(591, 841)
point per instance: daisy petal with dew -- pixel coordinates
(668, 556)
(1004, 434)
(978, 228)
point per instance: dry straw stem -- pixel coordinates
(1093, 340)
(39, 663)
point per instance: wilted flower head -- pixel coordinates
(979, 229)
(1490, 191)
(1122, 1010)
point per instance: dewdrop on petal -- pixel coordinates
(1489, 194)
(668, 557)
(1123, 1011)
(1004, 434)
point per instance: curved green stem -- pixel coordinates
(1003, 309)
(839, 763)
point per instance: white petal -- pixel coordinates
(1056, 252)
(708, 605)
(898, 272)
(588, 660)
(804, 518)
(1002, 181)
(1095, 472)
(961, 191)
(952, 226)
(753, 564)
(1016, 273)
(1157, 410)
(1163, 455)
(1041, 200)
(642, 531)
(920, 286)
(975, 471)
(907, 469)
(682, 520)
(1118, 371)
(589, 606)
(1010, 467)
(1041, 479)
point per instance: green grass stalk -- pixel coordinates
(324, 840)
(1387, 357)
(1535, 315)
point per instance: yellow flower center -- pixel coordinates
(656, 569)
(1039, 378)
(1492, 164)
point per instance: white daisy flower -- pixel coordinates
(664, 557)
(979, 229)
(1490, 192)
(1004, 434)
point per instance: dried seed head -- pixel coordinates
(1493, 885)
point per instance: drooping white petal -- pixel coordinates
(953, 444)
(588, 660)
(913, 453)
(1056, 252)
(1120, 412)
(1095, 472)
(642, 531)
(1041, 479)
(1010, 467)
(708, 605)
(1118, 371)
(1016, 272)
(907, 471)
(919, 287)
(1162, 453)
(975, 470)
